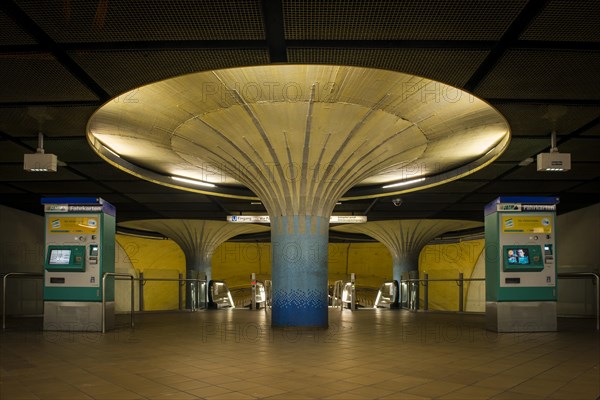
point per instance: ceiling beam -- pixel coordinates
(508, 39)
(29, 26)
(274, 29)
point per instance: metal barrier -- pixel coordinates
(115, 276)
(4, 279)
(336, 295)
(196, 292)
(388, 295)
(587, 275)
(412, 284)
(268, 293)
(219, 295)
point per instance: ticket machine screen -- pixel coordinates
(523, 258)
(59, 257)
(65, 258)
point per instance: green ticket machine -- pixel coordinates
(79, 249)
(520, 264)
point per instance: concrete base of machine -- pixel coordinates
(521, 316)
(77, 316)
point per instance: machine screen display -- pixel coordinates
(517, 256)
(60, 256)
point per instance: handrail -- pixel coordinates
(583, 275)
(442, 280)
(114, 275)
(425, 282)
(4, 280)
(143, 281)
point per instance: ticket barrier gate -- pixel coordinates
(259, 296)
(258, 293)
(409, 291)
(388, 295)
(335, 294)
(349, 299)
(197, 290)
(219, 295)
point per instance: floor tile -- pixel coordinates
(385, 354)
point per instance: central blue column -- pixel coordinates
(299, 270)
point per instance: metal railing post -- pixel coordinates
(597, 302)
(4, 280)
(4, 301)
(353, 291)
(132, 300)
(179, 302)
(460, 292)
(426, 292)
(104, 302)
(253, 291)
(141, 292)
(114, 275)
(581, 275)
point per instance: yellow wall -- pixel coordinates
(445, 261)
(156, 259)
(234, 262)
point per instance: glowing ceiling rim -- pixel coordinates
(355, 193)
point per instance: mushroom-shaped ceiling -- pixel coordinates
(406, 238)
(299, 137)
(198, 239)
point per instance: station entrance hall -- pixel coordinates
(299, 200)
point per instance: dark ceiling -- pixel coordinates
(537, 62)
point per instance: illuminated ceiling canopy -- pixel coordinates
(299, 137)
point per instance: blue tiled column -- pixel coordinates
(299, 270)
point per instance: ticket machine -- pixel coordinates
(79, 249)
(521, 277)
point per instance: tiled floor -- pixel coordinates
(366, 354)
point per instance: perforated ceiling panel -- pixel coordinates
(11, 34)
(15, 174)
(577, 171)
(566, 20)
(490, 172)
(102, 171)
(102, 21)
(38, 77)
(51, 121)
(535, 61)
(541, 119)
(68, 149)
(171, 198)
(594, 131)
(585, 149)
(394, 20)
(11, 152)
(119, 71)
(452, 66)
(522, 148)
(536, 74)
(525, 187)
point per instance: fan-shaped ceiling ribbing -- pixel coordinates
(406, 238)
(197, 239)
(298, 136)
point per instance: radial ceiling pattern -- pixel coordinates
(299, 136)
(534, 61)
